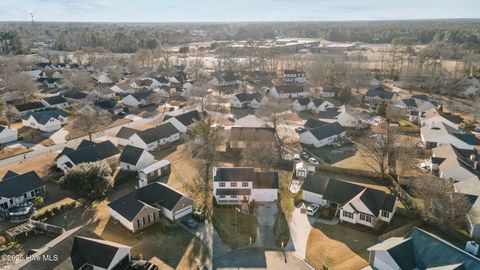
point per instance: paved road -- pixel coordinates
(258, 258)
(39, 151)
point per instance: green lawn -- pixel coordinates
(234, 228)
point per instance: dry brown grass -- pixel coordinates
(339, 247)
(40, 164)
(7, 152)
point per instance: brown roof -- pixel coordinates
(252, 134)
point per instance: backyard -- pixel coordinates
(331, 154)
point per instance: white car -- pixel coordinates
(296, 157)
(313, 161)
(312, 209)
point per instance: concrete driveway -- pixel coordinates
(266, 213)
(300, 228)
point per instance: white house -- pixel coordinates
(301, 104)
(437, 134)
(102, 93)
(353, 203)
(323, 135)
(8, 134)
(293, 76)
(123, 87)
(419, 249)
(319, 105)
(137, 99)
(184, 120)
(378, 94)
(142, 207)
(331, 92)
(224, 80)
(155, 170)
(246, 100)
(45, 121)
(16, 189)
(435, 115)
(57, 101)
(340, 115)
(86, 152)
(135, 159)
(244, 185)
(153, 138)
(289, 91)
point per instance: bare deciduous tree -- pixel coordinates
(264, 155)
(274, 111)
(376, 150)
(22, 84)
(80, 80)
(90, 119)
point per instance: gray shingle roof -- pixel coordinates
(187, 118)
(17, 185)
(233, 191)
(156, 133)
(328, 130)
(380, 92)
(92, 153)
(314, 123)
(289, 88)
(42, 117)
(30, 106)
(54, 100)
(248, 96)
(131, 154)
(303, 101)
(234, 174)
(93, 252)
(126, 132)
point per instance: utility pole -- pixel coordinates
(31, 16)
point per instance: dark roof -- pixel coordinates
(187, 118)
(85, 143)
(341, 192)
(292, 71)
(457, 119)
(469, 138)
(330, 113)
(141, 95)
(423, 250)
(268, 180)
(234, 174)
(42, 117)
(314, 123)
(9, 174)
(92, 153)
(410, 102)
(248, 96)
(233, 191)
(420, 97)
(303, 101)
(317, 102)
(106, 104)
(53, 100)
(328, 130)
(289, 88)
(93, 252)
(64, 151)
(2, 128)
(379, 91)
(156, 133)
(260, 134)
(131, 154)
(126, 132)
(75, 95)
(154, 194)
(35, 105)
(17, 185)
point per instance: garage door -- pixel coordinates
(268, 197)
(183, 212)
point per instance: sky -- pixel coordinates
(234, 10)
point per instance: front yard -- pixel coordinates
(339, 247)
(236, 229)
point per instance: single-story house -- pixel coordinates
(314, 123)
(102, 93)
(8, 134)
(353, 203)
(437, 115)
(142, 207)
(331, 92)
(244, 185)
(340, 115)
(318, 105)
(110, 105)
(246, 100)
(293, 76)
(16, 189)
(183, 120)
(136, 99)
(439, 133)
(223, 80)
(124, 134)
(420, 249)
(152, 138)
(301, 104)
(288, 91)
(27, 107)
(45, 121)
(323, 135)
(75, 96)
(154, 171)
(123, 87)
(57, 101)
(135, 159)
(378, 94)
(87, 152)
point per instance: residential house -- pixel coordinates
(142, 208)
(313, 123)
(302, 169)
(74, 96)
(318, 105)
(153, 138)
(78, 248)
(16, 189)
(244, 185)
(45, 121)
(184, 120)
(250, 121)
(154, 171)
(289, 91)
(148, 83)
(224, 80)
(246, 100)
(251, 137)
(293, 76)
(27, 107)
(435, 115)
(103, 78)
(353, 203)
(340, 115)
(323, 135)
(135, 159)
(110, 105)
(123, 87)
(136, 99)
(8, 134)
(124, 134)
(440, 133)
(102, 93)
(419, 249)
(87, 151)
(415, 106)
(331, 92)
(301, 104)
(378, 94)
(57, 101)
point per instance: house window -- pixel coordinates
(233, 184)
(348, 214)
(233, 196)
(366, 218)
(221, 184)
(385, 214)
(32, 193)
(25, 195)
(151, 217)
(222, 196)
(140, 222)
(244, 184)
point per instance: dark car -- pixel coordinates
(190, 223)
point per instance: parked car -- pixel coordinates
(300, 129)
(230, 117)
(296, 157)
(313, 161)
(305, 155)
(190, 223)
(312, 209)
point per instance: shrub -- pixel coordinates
(91, 180)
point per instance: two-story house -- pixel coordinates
(293, 76)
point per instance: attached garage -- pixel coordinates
(264, 195)
(183, 212)
(311, 197)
